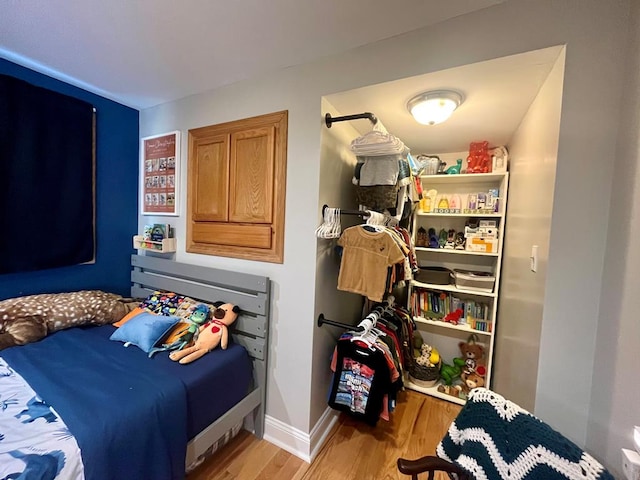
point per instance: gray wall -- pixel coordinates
(615, 393)
(595, 35)
(533, 151)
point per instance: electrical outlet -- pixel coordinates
(631, 464)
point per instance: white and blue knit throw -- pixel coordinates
(493, 438)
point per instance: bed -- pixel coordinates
(131, 416)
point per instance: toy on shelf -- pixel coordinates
(499, 159)
(479, 160)
(454, 317)
(455, 169)
(474, 370)
(449, 373)
(426, 366)
(158, 237)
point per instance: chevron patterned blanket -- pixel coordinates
(493, 438)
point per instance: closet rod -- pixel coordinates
(331, 120)
(362, 213)
(353, 328)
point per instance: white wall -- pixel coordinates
(594, 32)
(533, 151)
(615, 393)
(337, 164)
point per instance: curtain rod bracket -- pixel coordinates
(329, 120)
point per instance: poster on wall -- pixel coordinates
(159, 174)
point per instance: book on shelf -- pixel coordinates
(436, 305)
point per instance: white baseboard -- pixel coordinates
(303, 445)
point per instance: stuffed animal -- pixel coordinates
(185, 333)
(31, 318)
(473, 355)
(450, 372)
(429, 356)
(213, 333)
(470, 381)
(453, 317)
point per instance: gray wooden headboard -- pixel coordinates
(249, 292)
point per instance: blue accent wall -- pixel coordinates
(117, 143)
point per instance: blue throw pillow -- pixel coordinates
(144, 330)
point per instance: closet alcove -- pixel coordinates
(513, 101)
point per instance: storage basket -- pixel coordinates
(434, 275)
(469, 280)
(424, 376)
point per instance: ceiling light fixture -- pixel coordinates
(434, 107)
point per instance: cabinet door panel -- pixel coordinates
(256, 236)
(251, 176)
(211, 179)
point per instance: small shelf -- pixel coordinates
(455, 252)
(433, 391)
(464, 178)
(167, 245)
(452, 288)
(466, 215)
(451, 326)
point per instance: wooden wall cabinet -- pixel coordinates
(236, 188)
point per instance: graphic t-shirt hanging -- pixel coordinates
(361, 380)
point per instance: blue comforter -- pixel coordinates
(127, 415)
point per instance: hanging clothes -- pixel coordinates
(369, 366)
(366, 258)
(360, 382)
(382, 172)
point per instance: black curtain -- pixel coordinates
(47, 171)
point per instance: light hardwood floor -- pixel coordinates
(353, 451)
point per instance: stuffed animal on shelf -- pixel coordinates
(450, 372)
(453, 317)
(470, 381)
(473, 355)
(429, 356)
(213, 333)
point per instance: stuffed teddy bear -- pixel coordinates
(213, 333)
(470, 381)
(473, 355)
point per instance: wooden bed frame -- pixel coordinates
(249, 292)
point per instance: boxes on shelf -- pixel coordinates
(434, 275)
(470, 280)
(484, 245)
(482, 237)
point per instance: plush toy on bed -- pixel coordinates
(215, 332)
(185, 332)
(31, 318)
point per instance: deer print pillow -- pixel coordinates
(30, 318)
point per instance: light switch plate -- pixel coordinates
(534, 258)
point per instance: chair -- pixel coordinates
(493, 438)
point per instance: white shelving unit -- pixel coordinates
(446, 336)
(167, 245)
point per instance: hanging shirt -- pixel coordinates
(360, 382)
(365, 260)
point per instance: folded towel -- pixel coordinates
(377, 143)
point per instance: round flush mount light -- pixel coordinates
(431, 108)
